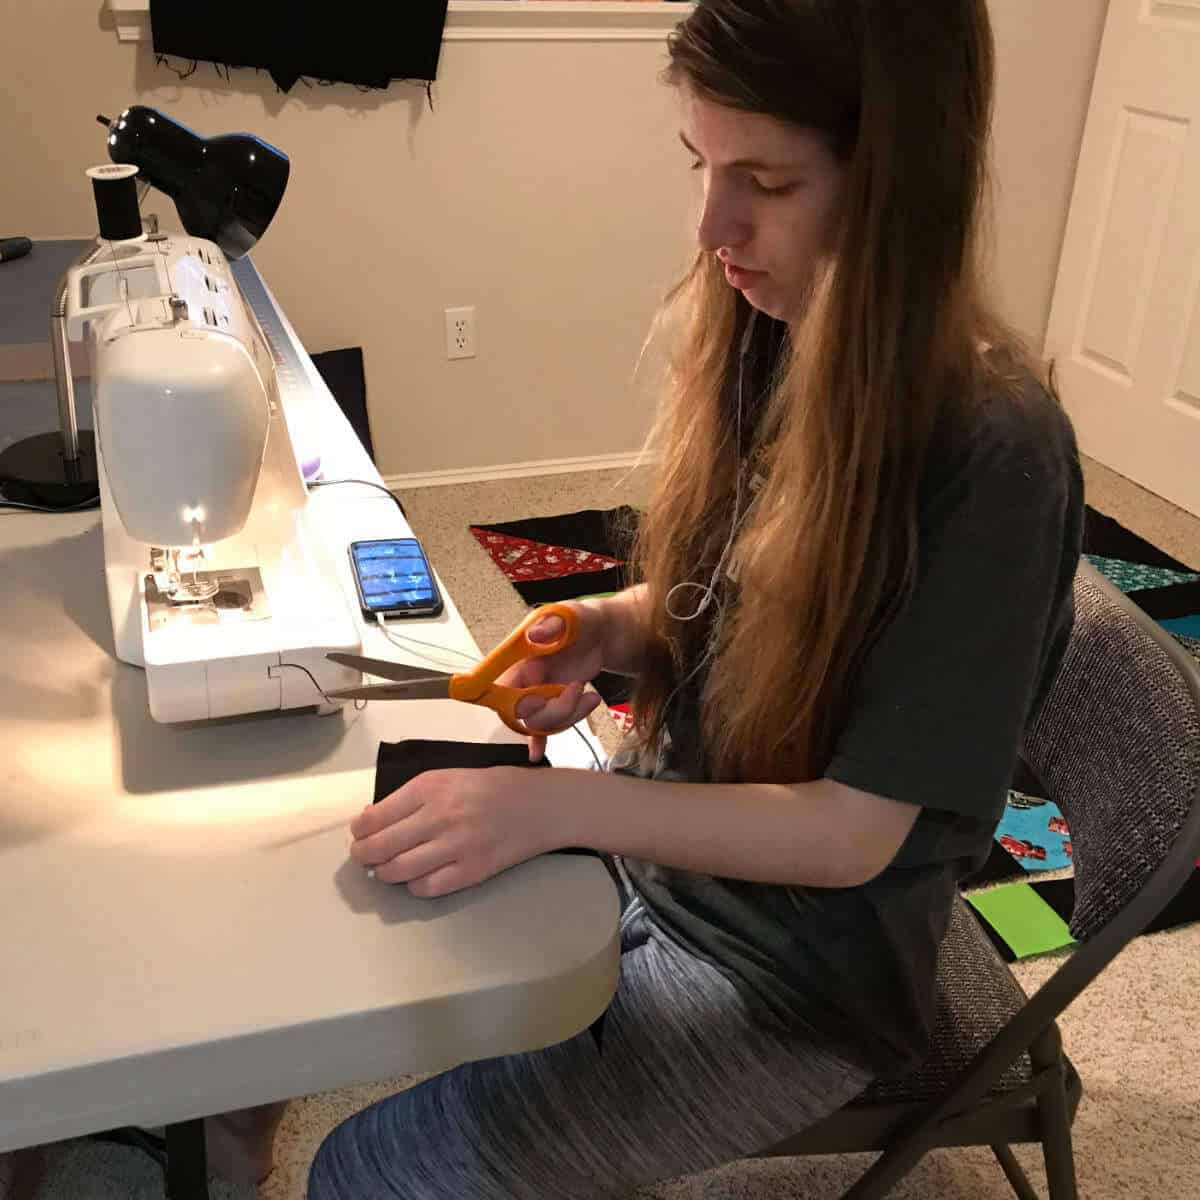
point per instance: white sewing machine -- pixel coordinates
(219, 582)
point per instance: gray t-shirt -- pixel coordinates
(936, 720)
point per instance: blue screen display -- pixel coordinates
(393, 574)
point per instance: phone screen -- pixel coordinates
(393, 576)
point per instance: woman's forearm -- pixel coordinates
(819, 834)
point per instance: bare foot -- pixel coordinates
(21, 1173)
(241, 1144)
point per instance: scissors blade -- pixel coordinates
(413, 689)
(400, 672)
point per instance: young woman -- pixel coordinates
(856, 586)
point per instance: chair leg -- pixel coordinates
(886, 1172)
(1016, 1176)
(1055, 1124)
(187, 1161)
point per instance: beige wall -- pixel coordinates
(546, 189)
(1047, 52)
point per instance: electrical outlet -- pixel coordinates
(460, 333)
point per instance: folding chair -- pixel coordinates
(1117, 745)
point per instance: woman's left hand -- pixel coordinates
(446, 830)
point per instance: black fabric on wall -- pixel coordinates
(342, 371)
(366, 43)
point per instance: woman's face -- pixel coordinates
(770, 201)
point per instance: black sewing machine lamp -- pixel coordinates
(226, 189)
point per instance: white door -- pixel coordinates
(1125, 322)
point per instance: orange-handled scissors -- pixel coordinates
(477, 686)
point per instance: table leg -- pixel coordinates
(187, 1161)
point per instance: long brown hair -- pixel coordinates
(888, 347)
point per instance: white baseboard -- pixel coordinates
(522, 470)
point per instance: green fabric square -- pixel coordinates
(1022, 918)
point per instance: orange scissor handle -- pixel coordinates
(479, 686)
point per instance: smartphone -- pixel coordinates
(394, 579)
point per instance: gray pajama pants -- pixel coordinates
(687, 1079)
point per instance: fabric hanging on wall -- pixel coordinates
(361, 43)
(345, 377)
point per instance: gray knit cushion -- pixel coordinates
(1117, 746)
(976, 996)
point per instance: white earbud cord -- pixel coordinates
(708, 592)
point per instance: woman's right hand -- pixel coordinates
(575, 666)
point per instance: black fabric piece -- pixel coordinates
(598, 531)
(571, 587)
(398, 762)
(1059, 894)
(1000, 866)
(1107, 538)
(1166, 603)
(367, 44)
(344, 376)
(613, 689)
(1110, 539)
(1182, 909)
(1024, 780)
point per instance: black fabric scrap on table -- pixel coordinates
(367, 44)
(398, 762)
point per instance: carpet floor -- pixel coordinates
(1131, 1035)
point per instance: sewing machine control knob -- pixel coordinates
(179, 308)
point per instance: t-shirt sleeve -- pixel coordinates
(937, 713)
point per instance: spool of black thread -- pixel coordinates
(115, 187)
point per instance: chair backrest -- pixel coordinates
(1117, 745)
